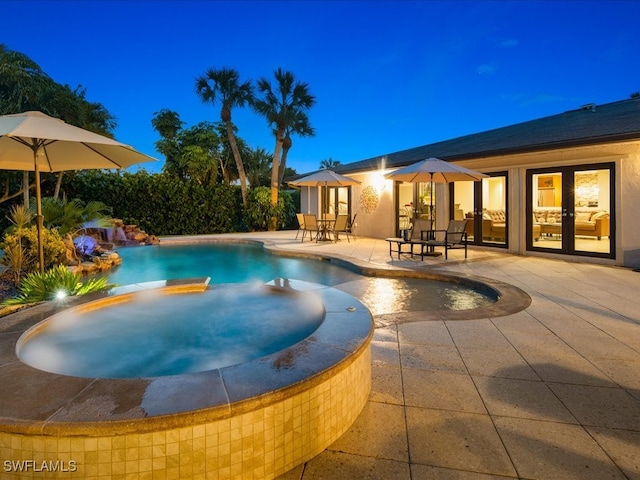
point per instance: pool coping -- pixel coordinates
(94, 406)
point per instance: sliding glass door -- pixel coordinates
(570, 210)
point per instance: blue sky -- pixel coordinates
(386, 75)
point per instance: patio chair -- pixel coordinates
(300, 218)
(340, 227)
(351, 225)
(418, 234)
(455, 236)
(310, 225)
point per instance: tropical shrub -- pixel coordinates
(23, 241)
(260, 211)
(57, 281)
(70, 216)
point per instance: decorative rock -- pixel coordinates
(71, 256)
(122, 234)
(89, 267)
(93, 252)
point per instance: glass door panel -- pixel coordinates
(463, 207)
(426, 201)
(336, 201)
(494, 209)
(547, 210)
(484, 205)
(405, 206)
(592, 220)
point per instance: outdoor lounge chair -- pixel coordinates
(310, 225)
(455, 236)
(417, 235)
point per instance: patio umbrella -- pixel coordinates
(435, 170)
(326, 178)
(36, 142)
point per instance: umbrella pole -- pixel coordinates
(433, 223)
(39, 218)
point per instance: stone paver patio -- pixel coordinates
(551, 392)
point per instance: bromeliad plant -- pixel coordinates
(54, 283)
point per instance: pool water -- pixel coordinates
(223, 262)
(241, 262)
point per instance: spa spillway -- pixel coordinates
(193, 412)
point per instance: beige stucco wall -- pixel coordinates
(373, 202)
(627, 211)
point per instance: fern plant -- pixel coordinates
(38, 287)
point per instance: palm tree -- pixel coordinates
(168, 124)
(300, 126)
(281, 105)
(224, 85)
(258, 163)
(329, 163)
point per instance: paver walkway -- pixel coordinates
(551, 392)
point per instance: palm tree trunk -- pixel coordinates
(286, 145)
(274, 180)
(283, 164)
(25, 186)
(239, 165)
(56, 192)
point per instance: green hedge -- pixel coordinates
(161, 204)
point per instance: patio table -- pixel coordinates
(325, 225)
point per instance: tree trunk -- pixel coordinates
(286, 145)
(273, 224)
(25, 186)
(239, 165)
(56, 192)
(225, 173)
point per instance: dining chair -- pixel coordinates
(310, 225)
(300, 218)
(351, 226)
(340, 226)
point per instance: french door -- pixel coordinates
(336, 201)
(484, 205)
(570, 210)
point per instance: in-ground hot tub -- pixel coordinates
(253, 419)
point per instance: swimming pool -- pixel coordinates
(238, 262)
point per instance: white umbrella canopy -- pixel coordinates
(435, 170)
(33, 141)
(60, 146)
(326, 178)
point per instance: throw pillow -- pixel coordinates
(582, 217)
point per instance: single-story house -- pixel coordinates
(563, 185)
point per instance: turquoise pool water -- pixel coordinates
(223, 262)
(245, 263)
